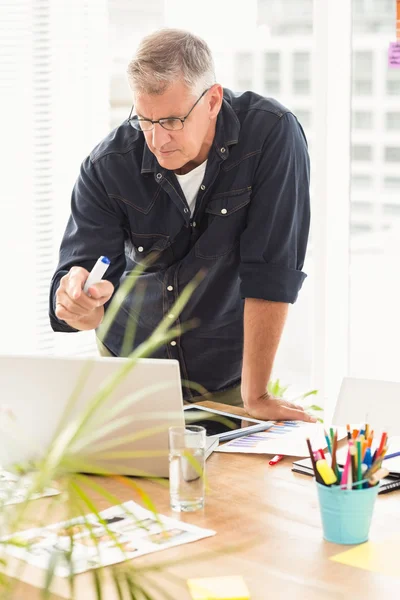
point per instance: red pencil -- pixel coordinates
(276, 459)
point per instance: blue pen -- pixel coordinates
(367, 458)
(391, 455)
(367, 461)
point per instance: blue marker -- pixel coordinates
(97, 272)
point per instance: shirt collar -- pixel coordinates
(226, 135)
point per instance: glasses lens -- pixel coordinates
(171, 124)
(141, 124)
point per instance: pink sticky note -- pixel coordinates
(394, 55)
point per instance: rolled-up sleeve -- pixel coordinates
(95, 228)
(274, 242)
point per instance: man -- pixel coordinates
(211, 181)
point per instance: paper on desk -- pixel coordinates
(284, 437)
(379, 557)
(14, 489)
(131, 531)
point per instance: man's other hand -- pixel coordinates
(269, 408)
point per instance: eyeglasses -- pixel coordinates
(169, 123)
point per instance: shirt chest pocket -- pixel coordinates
(223, 223)
(145, 244)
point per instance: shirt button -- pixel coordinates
(223, 211)
(185, 210)
(202, 187)
(173, 343)
(159, 176)
(170, 288)
(140, 249)
(171, 316)
(194, 224)
(223, 149)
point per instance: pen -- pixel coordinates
(97, 272)
(392, 455)
(276, 459)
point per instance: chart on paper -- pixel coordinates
(284, 437)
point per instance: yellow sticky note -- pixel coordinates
(218, 588)
(379, 557)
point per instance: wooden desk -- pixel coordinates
(273, 514)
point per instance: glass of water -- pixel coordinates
(187, 467)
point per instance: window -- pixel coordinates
(391, 210)
(272, 73)
(39, 35)
(393, 82)
(362, 208)
(362, 119)
(301, 87)
(361, 181)
(374, 240)
(244, 70)
(391, 183)
(392, 154)
(362, 73)
(362, 64)
(361, 153)
(304, 117)
(362, 87)
(393, 121)
(301, 73)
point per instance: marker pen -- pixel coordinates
(276, 459)
(97, 272)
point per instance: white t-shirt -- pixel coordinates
(190, 184)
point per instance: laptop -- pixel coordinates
(369, 400)
(35, 393)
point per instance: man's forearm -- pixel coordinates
(263, 326)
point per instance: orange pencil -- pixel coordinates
(364, 447)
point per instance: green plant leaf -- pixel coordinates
(107, 495)
(122, 292)
(50, 573)
(131, 325)
(162, 591)
(98, 584)
(311, 393)
(314, 407)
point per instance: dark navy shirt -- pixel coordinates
(249, 232)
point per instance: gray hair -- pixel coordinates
(170, 55)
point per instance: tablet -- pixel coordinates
(225, 425)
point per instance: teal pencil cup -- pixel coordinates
(346, 514)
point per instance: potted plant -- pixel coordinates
(62, 464)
